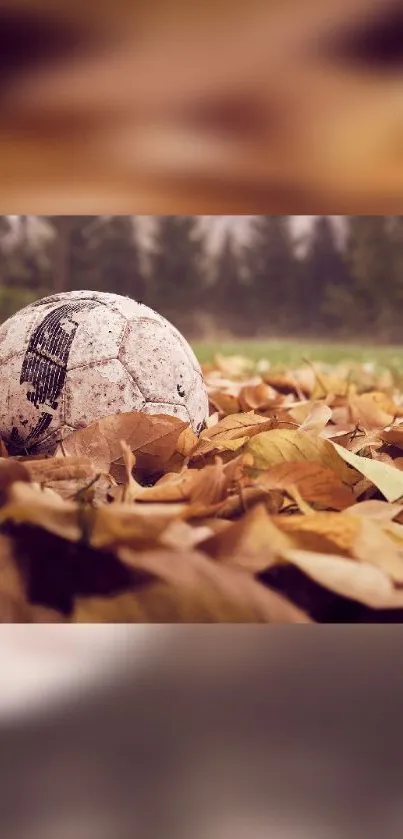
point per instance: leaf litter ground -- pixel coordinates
(287, 509)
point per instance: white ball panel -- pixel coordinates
(188, 350)
(178, 411)
(97, 391)
(98, 338)
(157, 362)
(198, 406)
(130, 309)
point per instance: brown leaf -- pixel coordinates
(299, 385)
(153, 439)
(10, 472)
(42, 614)
(53, 469)
(316, 483)
(372, 410)
(225, 403)
(137, 524)
(11, 581)
(13, 610)
(253, 542)
(393, 435)
(189, 588)
(205, 486)
(131, 488)
(245, 498)
(258, 397)
(27, 504)
(13, 604)
(236, 428)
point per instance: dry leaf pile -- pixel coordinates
(287, 509)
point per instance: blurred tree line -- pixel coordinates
(330, 282)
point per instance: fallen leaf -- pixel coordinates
(317, 484)
(379, 510)
(321, 532)
(245, 498)
(372, 410)
(189, 588)
(300, 385)
(12, 610)
(253, 542)
(317, 419)
(232, 433)
(258, 397)
(10, 472)
(387, 479)
(53, 469)
(206, 486)
(131, 488)
(271, 448)
(27, 505)
(137, 524)
(152, 438)
(358, 581)
(233, 365)
(393, 435)
(224, 403)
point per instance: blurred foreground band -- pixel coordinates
(244, 735)
(221, 107)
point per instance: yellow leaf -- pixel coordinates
(270, 448)
(321, 532)
(386, 478)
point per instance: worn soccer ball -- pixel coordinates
(72, 358)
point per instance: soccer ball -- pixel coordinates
(72, 358)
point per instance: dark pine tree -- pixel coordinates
(70, 257)
(177, 271)
(395, 226)
(106, 257)
(325, 278)
(371, 263)
(229, 295)
(273, 275)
